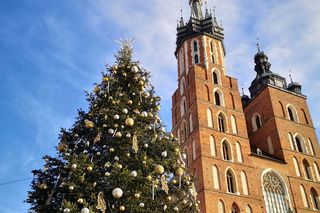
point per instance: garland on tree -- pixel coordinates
(117, 157)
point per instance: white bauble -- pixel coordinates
(74, 166)
(128, 135)
(144, 114)
(146, 145)
(176, 209)
(125, 111)
(116, 117)
(141, 205)
(107, 174)
(134, 174)
(164, 154)
(85, 210)
(162, 129)
(117, 193)
(184, 156)
(147, 94)
(135, 69)
(116, 158)
(110, 131)
(66, 210)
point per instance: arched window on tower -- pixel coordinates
(316, 170)
(248, 209)
(244, 183)
(311, 147)
(183, 106)
(256, 121)
(270, 145)
(307, 169)
(292, 113)
(218, 98)
(195, 46)
(290, 138)
(300, 144)
(194, 149)
(234, 124)
(231, 182)
(226, 151)
(216, 77)
(235, 208)
(232, 101)
(213, 151)
(190, 123)
(305, 116)
(182, 86)
(209, 118)
(208, 93)
(275, 193)
(282, 109)
(222, 124)
(304, 197)
(315, 199)
(184, 131)
(196, 59)
(239, 152)
(215, 175)
(221, 207)
(296, 167)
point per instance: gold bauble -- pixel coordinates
(141, 83)
(88, 124)
(62, 147)
(174, 181)
(159, 169)
(158, 107)
(105, 79)
(137, 195)
(129, 122)
(130, 102)
(114, 102)
(81, 179)
(94, 184)
(80, 200)
(71, 188)
(122, 208)
(118, 134)
(169, 198)
(177, 151)
(43, 186)
(97, 89)
(179, 172)
(149, 178)
(89, 168)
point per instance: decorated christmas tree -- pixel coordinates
(117, 157)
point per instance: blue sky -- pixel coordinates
(51, 51)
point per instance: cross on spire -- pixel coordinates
(258, 45)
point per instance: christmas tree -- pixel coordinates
(117, 157)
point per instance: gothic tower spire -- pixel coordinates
(196, 9)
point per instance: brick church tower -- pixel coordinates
(248, 154)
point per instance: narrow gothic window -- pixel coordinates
(195, 46)
(304, 197)
(291, 141)
(244, 183)
(290, 114)
(296, 167)
(212, 146)
(248, 209)
(196, 59)
(209, 118)
(211, 46)
(215, 78)
(217, 99)
(239, 152)
(226, 151)
(307, 169)
(221, 207)
(316, 170)
(208, 93)
(315, 199)
(215, 174)
(232, 101)
(275, 195)
(222, 123)
(194, 150)
(235, 208)
(190, 123)
(305, 116)
(231, 182)
(311, 146)
(281, 105)
(183, 106)
(299, 144)
(258, 122)
(234, 125)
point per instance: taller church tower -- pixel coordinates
(257, 154)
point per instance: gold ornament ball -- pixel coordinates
(122, 208)
(80, 200)
(130, 102)
(159, 169)
(118, 135)
(174, 181)
(129, 122)
(94, 184)
(81, 179)
(169, 198)
(176, 151)
(97, 89)
(88, 124)
(158, 107)
(71, 188)
(144, 162)
(115, 67)
(179, 172)
(114, 102)
(149, 178)
(141, 83)
(137, 195)
(105, 79)
(89, 168)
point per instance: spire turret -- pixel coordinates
(196, 9)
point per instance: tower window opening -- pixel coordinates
(196, 59)
(307, 169)
(256, 122)
(221, 123)
(315, 199)
(211, 46)
(226, 151)
(235, 208)
(217, 98)
(299, 145)
(195, 46)
(292, 113)
(231, 182)
(215, 78)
